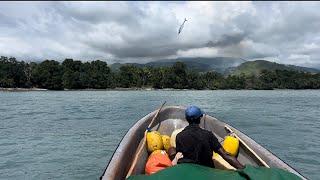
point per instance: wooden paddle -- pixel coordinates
(247, 147)
(143, 142)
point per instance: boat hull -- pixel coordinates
(169, 119)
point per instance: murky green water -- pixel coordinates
(72, 134)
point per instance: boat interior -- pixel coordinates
(169, 119)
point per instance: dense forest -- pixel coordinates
(72, 74)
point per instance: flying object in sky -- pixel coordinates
(182, 25)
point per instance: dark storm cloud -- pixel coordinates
(148, 30)
(227, 40)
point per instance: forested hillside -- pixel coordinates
(72, 74)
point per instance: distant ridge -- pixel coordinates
(218, 64)
(223, 65)
(255, 68)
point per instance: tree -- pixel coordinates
(157, 77)
(130, 76)
(194, 80)
(48, 74)
(179, 75)
(234, 82)
(212, 80)
(13, 73)
(71, 75)
(99, 74)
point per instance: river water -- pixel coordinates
(72, 134)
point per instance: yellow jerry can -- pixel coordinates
(231, 145)
(154, 141)
(166, 142)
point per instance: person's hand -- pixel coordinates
(178, 156)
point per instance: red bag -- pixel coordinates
(157, 162)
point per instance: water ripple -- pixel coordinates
(73, 134)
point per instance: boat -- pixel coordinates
(169, 119)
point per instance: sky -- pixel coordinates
(283, 32)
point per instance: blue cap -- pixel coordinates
(193, 112)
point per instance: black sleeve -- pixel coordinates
(214, 143)
(178, 144)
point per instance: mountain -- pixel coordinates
(219, 64)
(223, 65)
(255, 67)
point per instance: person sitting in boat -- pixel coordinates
(197, 144)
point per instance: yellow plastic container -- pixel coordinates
(231, 145)
(154, 141)
(166, 142)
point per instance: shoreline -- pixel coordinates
(22, 89)
(140, 89)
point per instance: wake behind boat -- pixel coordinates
(169, 119)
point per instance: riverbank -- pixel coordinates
(133, 89)
(22, 89)
(108, 89)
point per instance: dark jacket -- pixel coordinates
(197, 145)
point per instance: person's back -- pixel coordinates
(197, 145)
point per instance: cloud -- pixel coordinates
(205, 52)
(227, 40)
(144, 31)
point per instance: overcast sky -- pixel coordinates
(284, 32)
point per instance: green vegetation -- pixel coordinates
(223, 65)
(71, 74)
(256, 67)
(200, 64)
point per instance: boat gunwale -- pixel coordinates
(267, 150)
(127, 135)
